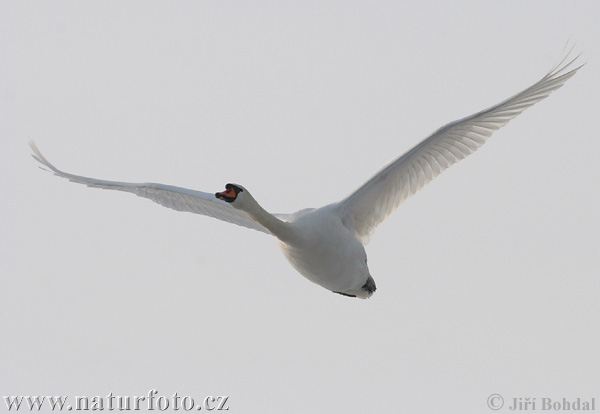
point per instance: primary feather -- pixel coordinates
(368, 206)
(177, 198)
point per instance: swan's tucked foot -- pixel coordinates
(369, 287)
(366, 291)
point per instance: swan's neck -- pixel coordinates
(277, 227)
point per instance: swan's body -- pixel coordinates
(327, 253)
(326, 245)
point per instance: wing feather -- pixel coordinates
(176, 198)
(368, 206)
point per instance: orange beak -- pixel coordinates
(227, 195)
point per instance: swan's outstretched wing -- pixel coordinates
(368, 206)
(177, 198)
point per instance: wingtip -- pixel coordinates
(36, 151)
(561, 67)
(39, 157)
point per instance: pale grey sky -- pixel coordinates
(487, 278)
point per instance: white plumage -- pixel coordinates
(326, 244)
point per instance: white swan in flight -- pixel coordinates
(326, 244)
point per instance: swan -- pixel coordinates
(326, 244)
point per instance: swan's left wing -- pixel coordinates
(177, 198)
(368, 206)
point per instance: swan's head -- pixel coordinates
(231, 194)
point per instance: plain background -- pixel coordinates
(487, 278)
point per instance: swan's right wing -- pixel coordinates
(177, 198)
(368, 206)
